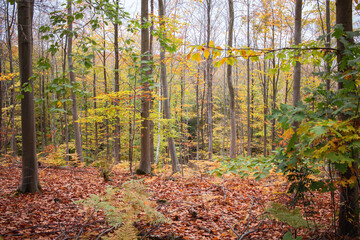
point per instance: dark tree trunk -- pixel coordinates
(146, 153)
(349, 193)
(30, 179)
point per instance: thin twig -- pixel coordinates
(83, 226)
(151, 229)
(250, 212)
(229, 225)
(104, 232)
(247, 233)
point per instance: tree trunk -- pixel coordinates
(209, 76)
(2, 132)
(197, 113)
(117, 154)
(328, 41)
(146, 153)
(297, 40)
(167, 113)
(349, 194)
(230, 85)
(248, 84)
(107, 132)
(9, 24)
(95, 106)
(78, 141)
(30, 179)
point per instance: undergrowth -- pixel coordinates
(123, 207)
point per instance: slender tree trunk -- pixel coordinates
(53, 123)
(78, 141)
(117, 154)
(265, 101)
(66, 131)
(328, 41)
(95, 107)
(224, 109)
(297, 40)
(166, 102)
(159, 126)
(9, 24)
(2, 132)
(197, 114)
(146, 153)
(349, 193)
(151, 74)
(209, 76)
(107, 132)
(248, 84)
(230, 85)
(30, 178)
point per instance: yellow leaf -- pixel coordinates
(196, 57)
(58, 103)
(206, 53)
(211, 44)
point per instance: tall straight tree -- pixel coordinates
(230, 85)
(146, 153)
(171, 143)
(117, 155)
(78, 141)
(297, 40)
(209, 79)
(349, 193)
(248, 99)
(2, 135)
(30, 178)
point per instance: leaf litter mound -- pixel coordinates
(198, 206)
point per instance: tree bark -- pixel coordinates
(117, 154)
(2, 132)
(209, 79)
(166, 102)
(328, 41)
(349, 193)
(78, 141)
(30, 178)
(230, 85)
(145, 161)
(248, 84)
(297, 40)
(9, 23)
(95, 106)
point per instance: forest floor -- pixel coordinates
(197, 205)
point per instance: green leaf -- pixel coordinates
(288, 236)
